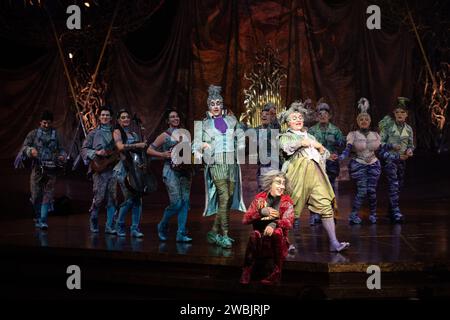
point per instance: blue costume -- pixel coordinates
(364, 167)
(43, 174)
(178, 184)
(104, 183)
(365, 170)
(395, 136)
(222, 173)
(132, 200)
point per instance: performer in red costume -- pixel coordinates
(272, 214)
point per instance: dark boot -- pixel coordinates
(277, 252)
(251, 253)
(246, 274)
(274, 277)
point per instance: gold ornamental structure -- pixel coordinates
(265, 82)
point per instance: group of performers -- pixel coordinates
(304, 177)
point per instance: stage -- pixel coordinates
(414, 257)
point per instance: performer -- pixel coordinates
(218, 145)
(264, 140)
(364, 167)
(332, 139)
(272, 214)
(99, 147)
(43, 146)
(176, 178)
(272, 110)
(397, 141)
(305, 169)
(127, 142)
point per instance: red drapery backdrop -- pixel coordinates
(325, 45)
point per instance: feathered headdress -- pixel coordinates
(363, 106)
(214, 93)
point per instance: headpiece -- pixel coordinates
(363, 107)
(214, 93)
(402, 103)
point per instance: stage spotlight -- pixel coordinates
(87, 4)
(70, 55)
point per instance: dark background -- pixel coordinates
(165, 54)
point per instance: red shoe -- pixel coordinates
(273, 278)
(246, 275)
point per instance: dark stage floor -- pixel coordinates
(419, 246)
(424, 238)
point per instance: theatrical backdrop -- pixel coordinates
(162, 54)
(149, 56)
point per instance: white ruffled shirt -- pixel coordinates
(310, 152)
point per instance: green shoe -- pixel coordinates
(226, 242)
(213, 237)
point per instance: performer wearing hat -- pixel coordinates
(364, 167)
(43, 146)
(397, 140)
(332, 139)
(218, 145)
(305, 169)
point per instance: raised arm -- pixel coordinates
(123, 146)
(152, 148)
(350, 140)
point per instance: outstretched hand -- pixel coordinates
(334, 157)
